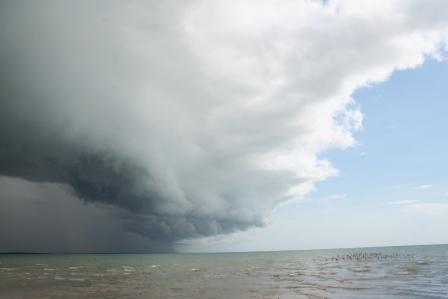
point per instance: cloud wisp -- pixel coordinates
(422, 187)
(195, 118)
(403, 202)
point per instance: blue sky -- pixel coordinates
(402, 144)
(392, 186)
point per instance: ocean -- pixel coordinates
(382, 272)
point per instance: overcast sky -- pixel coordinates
(222, 125)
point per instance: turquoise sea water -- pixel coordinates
(389, 272)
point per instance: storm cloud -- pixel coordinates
(195, 118)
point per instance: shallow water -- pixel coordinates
(390, 272)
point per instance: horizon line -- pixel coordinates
(204, 252)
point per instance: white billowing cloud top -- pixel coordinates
(222, 109)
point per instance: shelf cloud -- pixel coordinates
(195, 118)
